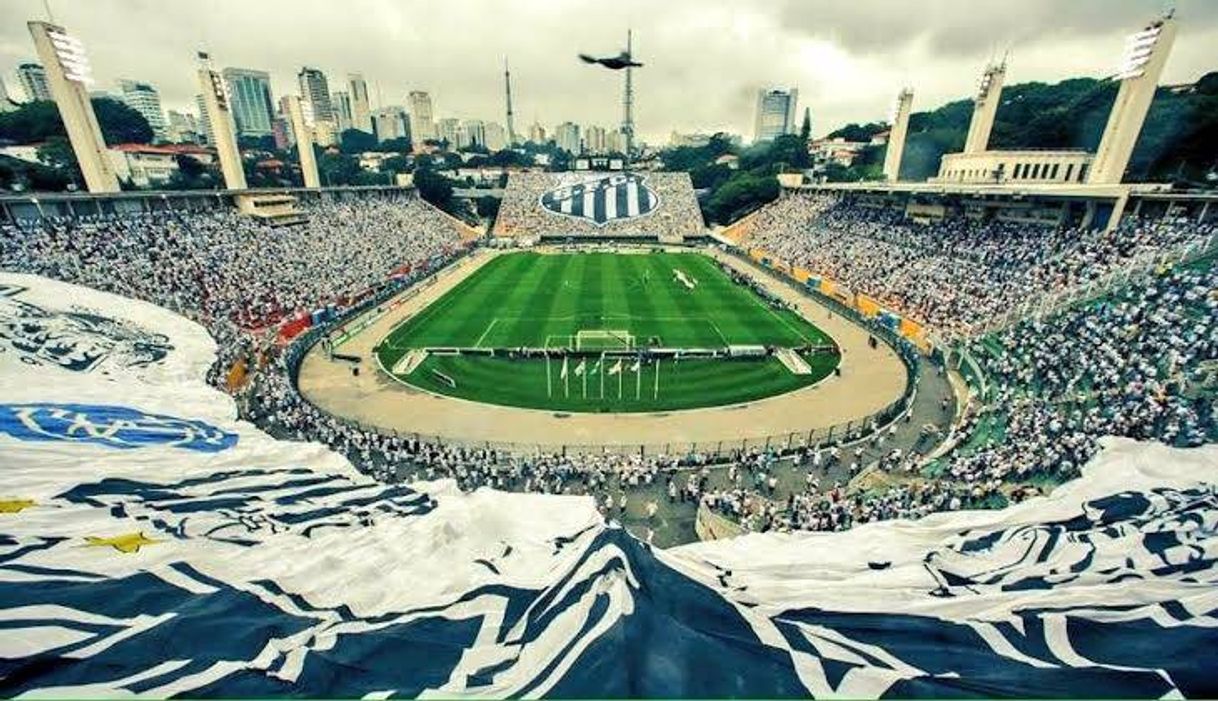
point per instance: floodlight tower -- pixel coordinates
(507, 90)
(69, 77)
(1145, 55)
(985, 106)
(215, 101)
(896, 136)
(304, 142)
(628, 101)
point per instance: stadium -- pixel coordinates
(880, 438)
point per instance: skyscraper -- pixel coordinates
(537, 133)
(496, 137)
(252, 105)
(566, 136)
(475, 132)
(615, 142)
(389, 123)
(341, 101)
(183, 128)
(775, 113)
(361, 115)
(447, 129)
(204, 120)
(316, 91)
(33, 79)
(594, 139)
(422, 126)
(143, 98)
(6, 102)
(281, 126)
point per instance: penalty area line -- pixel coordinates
(478, 343)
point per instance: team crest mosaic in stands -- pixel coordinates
(603, 199)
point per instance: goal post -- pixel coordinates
(603, 340)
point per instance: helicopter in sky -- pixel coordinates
(617, 63)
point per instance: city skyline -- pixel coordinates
(841, 69)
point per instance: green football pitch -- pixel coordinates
(600, 310)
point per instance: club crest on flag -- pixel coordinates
(603, 199)
(110, 426)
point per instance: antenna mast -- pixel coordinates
(507, 88)
(628, 102)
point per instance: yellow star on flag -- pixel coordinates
(13, 506)
(129, 543)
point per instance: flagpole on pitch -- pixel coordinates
(638, 379)
(656, 392)
(549, 389)
(601, 365)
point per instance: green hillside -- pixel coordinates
(1179, 141)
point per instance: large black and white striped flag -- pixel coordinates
(602, 200)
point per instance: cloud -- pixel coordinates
(705, 58)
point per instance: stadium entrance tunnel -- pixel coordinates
(609, 332)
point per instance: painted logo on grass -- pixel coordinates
(603, 199)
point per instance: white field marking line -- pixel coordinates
(758, 302)
(435, 304)
(478, 343)
(722, 336)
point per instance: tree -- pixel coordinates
(805, 130)
(357, 141)
(508, 158)
(434, 188)
(35, 122)
(22, 176)
(396, 164)
(488, 207)
(120, 124)
(337, 169)
(740, 195)
(399, 144)
(56, 152)
(857, 132)
(256, 143)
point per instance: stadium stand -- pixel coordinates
(955, 273)
(618, 205)
(1130, 364)
(234, 274)
(1136, 363)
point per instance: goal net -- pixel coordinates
(603, 339)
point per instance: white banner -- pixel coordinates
(151, 543)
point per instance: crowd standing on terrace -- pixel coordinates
(1130, 364)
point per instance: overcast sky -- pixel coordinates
(705, 58)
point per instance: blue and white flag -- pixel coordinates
(603, 198)
(153, 544)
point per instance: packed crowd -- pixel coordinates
(1127, 365)
(1132, 364)
(230, 272)
(521, 214)
(957, 272)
